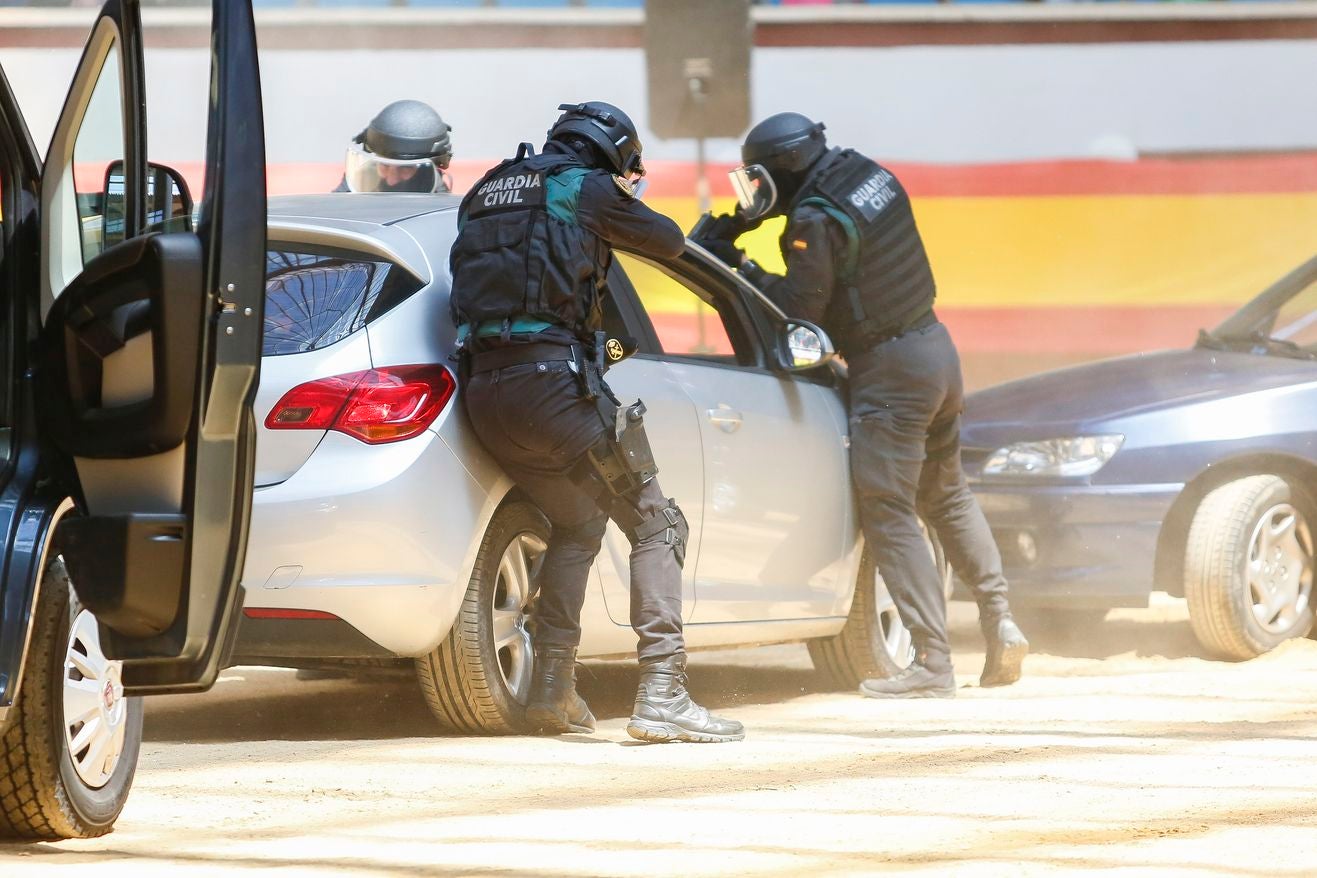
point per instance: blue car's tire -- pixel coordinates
(1248, 567)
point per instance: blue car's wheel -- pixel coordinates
(1248, 567)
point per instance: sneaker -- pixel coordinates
(915, 681)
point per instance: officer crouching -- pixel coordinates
(528, 271)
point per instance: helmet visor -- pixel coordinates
(755, 190)
(369, 172)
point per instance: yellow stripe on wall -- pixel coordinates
(1092, 249)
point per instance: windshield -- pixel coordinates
(1281, 320)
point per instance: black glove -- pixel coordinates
(724, 250)
(727, 227)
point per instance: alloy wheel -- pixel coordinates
(95, 710)
(1280, 568)
(896, 640)
(511, 611)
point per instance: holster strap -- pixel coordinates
(665, 518)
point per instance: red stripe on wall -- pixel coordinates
(676, 179)
(1082, 332)
(1098, 331)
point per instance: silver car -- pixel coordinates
(382, 530)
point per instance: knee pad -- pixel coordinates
(671, 523)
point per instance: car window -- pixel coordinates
(684, 318)
(99, 143)
(316, 298)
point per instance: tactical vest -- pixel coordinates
(520, 251)
(885, 282)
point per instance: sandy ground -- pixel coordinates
(1121, 751)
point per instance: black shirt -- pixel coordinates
(623, 220)
(813, 245)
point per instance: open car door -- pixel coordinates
(150, 350)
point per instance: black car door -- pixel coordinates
(141, 375)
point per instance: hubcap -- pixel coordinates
(94, 706)
(510, 612)
(1280, 568)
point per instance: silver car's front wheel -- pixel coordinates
(478, 680)
(1248, 566)
(874, 642)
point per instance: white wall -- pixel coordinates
(939, 104)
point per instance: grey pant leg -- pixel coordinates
(951, 510)
(949, 507)
(655, 585)
(886, 461)
(539, 428)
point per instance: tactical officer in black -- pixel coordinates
(405, 148)
(528, 270)
(856, 266)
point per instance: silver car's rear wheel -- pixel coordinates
(510, 612)
(477, 681)
(1249, 567)
(874, 642)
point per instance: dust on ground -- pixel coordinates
(1122, 749)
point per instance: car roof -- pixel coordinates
(378, 208)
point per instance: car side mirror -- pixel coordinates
(803, 346)
(169, 203)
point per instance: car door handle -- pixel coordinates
(727, 419)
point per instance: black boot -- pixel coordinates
(554, 707)
(916, 681)
(665, 712)
(1005, 655)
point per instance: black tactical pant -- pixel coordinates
(906, 399)
(536, 422)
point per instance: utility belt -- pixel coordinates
(623, 459)
(867, 334)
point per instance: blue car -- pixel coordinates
(1190, 471)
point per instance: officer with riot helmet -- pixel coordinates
(528, 269)
(405, 148)
(857, 267)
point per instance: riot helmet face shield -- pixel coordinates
(755, 190)
(366, 171)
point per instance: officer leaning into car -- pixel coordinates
(857, 267)
(405, 148)
(529, 267)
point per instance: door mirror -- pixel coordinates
(169, 204)
(804, 346)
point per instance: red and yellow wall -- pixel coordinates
(1046, 263)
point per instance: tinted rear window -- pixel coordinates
(315, 297)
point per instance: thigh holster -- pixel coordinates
(624, 459)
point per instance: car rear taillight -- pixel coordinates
(375, 406)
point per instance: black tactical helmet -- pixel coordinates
(408, 130)
(606, 127)
(788, 142)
